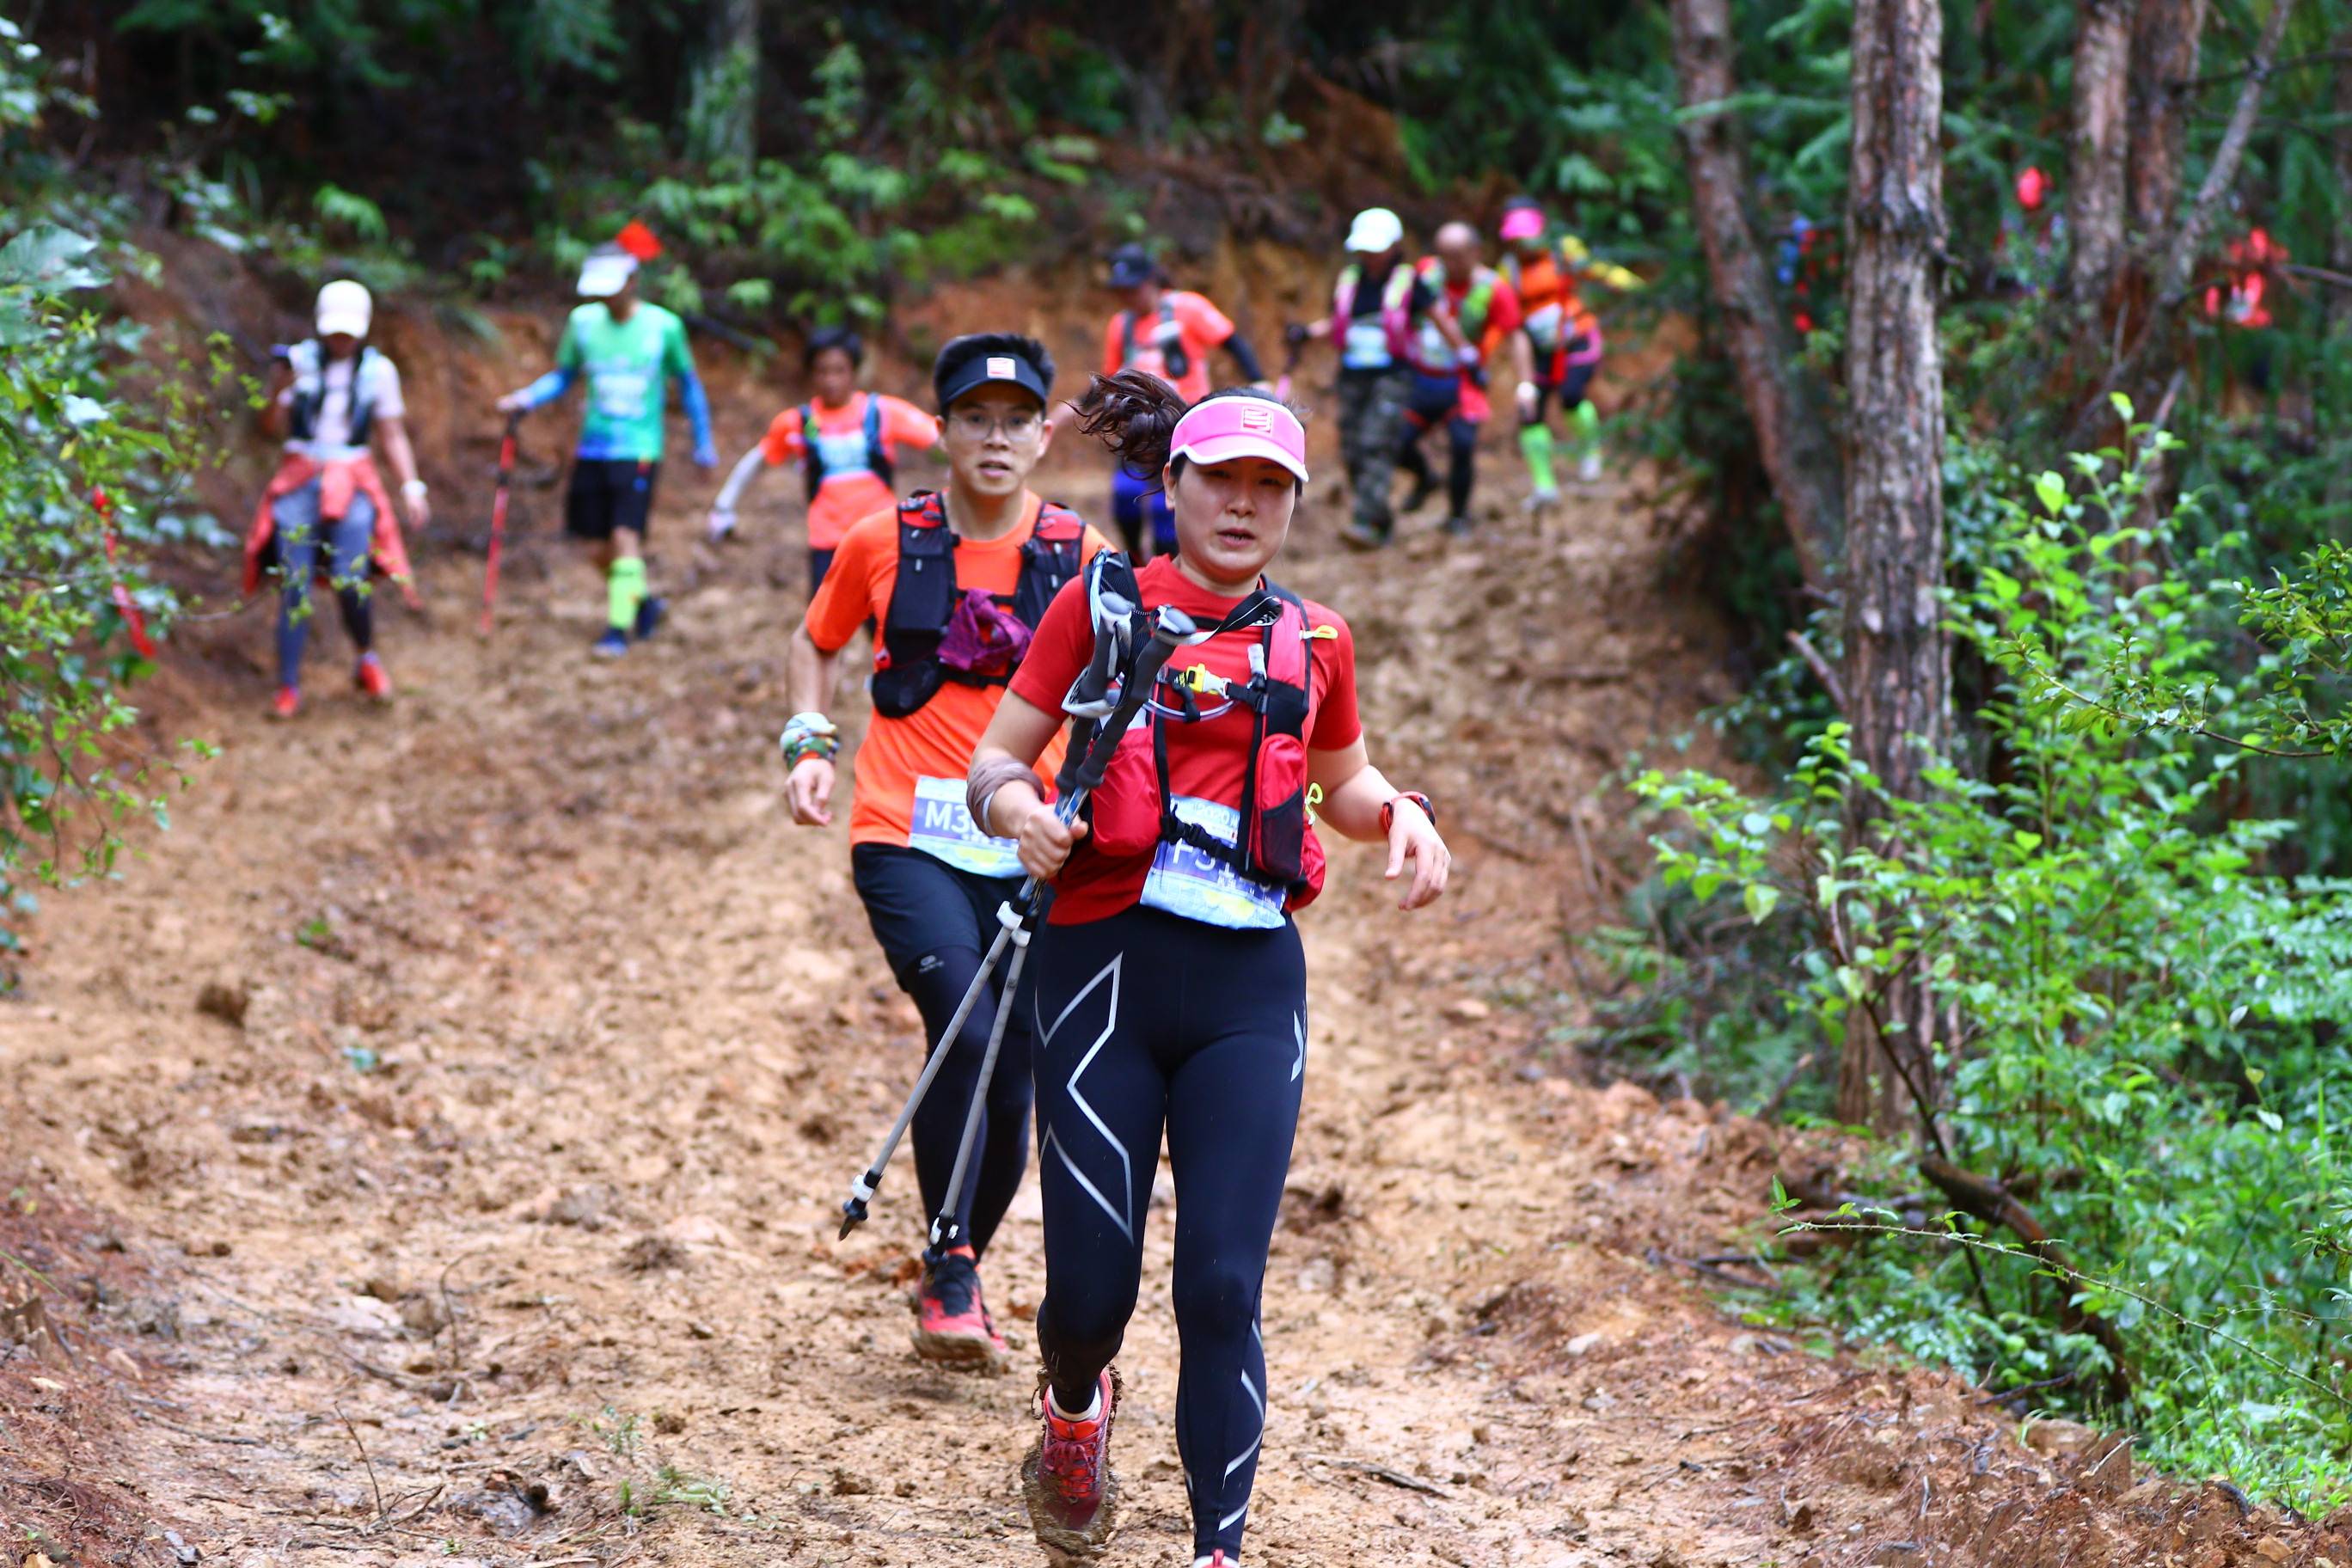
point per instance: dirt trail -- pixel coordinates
(487, 1213)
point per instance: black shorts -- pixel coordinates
(1568, 387)
(607, 495)
(819, 562)
(918, 904)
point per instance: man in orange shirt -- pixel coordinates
(956, 583)
(846, 442)
(1169, 332)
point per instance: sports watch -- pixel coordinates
(1388, 807)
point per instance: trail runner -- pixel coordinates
(325, 514)
(955, 581)
(846, 441)
(628, 350)
(1172, 333)
(1487, 308)
(1171, 987)
(1548, 276)
(1381, 313)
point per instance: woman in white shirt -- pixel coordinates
(326, 513)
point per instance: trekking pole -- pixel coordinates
(1170, 628)
(1016, 919)
(499, 519)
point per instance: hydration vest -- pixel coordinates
(814, 442)
(1133, 810)
(1395, 318)
(1470, 315)
(1174, 361)
(309, 362)
(907, 671)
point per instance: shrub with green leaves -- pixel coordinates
(90, 465)
(2145, 1015)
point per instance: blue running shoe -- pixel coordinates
(650, 611)
(611, 645)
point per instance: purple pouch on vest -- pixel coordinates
(983, 638)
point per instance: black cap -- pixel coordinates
(997, 363)
(1131, 266)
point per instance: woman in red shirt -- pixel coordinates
(1171, 990)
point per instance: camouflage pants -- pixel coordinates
(1371, 417)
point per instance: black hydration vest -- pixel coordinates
(906, 668)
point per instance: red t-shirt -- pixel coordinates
(1209, 759)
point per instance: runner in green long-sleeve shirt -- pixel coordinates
(628, 352)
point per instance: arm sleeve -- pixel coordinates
(784, 442)
(1337, 723)
(845, 602)
(731, 492)
(551, 385)
(681, 362)
(1060, 649)
(904, 425)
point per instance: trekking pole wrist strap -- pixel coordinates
(1388, 808)
(809, 735)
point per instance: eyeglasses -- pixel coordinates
(971, 425)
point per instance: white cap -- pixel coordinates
(1376, 229)
(345, 306)
(606, 272)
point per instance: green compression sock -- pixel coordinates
(624, 590)
(1588, 429)
(1535, 445)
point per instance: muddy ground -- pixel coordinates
(429, 1149)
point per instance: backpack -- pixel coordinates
(877, 456)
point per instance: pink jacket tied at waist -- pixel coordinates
(338, 481)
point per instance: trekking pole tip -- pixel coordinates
(853, 1214)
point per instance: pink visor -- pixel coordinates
(1523, 223)
(1220, 429)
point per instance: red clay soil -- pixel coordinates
(430, 1149)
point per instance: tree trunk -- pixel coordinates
(1798, 456)
(2165, 35)
(2336, 384)
(722, 98)
(2094, 183)
(1896, 677)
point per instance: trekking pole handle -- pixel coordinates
(1170, 628)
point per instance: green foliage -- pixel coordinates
(2146, 1014)
(81, 448)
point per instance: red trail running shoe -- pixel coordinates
(951, 1323)
(369, 675)
(1067, 1479)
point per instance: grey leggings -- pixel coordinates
(298, 530)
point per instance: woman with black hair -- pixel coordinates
(846, 442)
(1171, 990)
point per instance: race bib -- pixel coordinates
(1544, 323)
(1366, 346)
(1434, 349)
(1186, 881)
(620, 390)
(842, 453)
(942, 828)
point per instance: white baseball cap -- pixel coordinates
(606, 272)
(1376, 229)
(345, 306)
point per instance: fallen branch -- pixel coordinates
(372, 1486)
(1820, 668)
(1378, 1473)
(1983, 1198)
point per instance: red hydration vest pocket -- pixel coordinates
(1125, 809)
